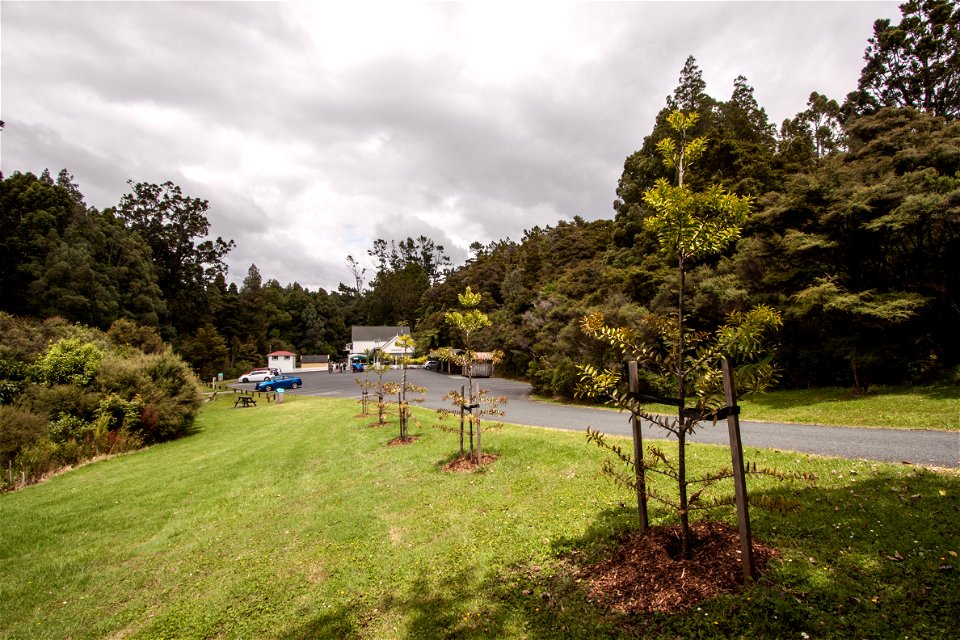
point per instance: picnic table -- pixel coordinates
(245, 401)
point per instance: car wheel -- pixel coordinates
(268, 388)
(244, 379)
(294, 385)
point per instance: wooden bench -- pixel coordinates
(245, 401)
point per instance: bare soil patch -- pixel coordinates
(465, 464)
(396, 442)
(645, 572)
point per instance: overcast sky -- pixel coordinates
(313, 129)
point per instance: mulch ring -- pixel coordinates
(396, 442)
(465, 464)
(644, 573)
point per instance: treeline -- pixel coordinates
(148, 260)
(853, 237)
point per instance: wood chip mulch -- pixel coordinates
(644, 573)
(465, 464)
(401, 441)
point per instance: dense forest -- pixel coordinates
(854, 236)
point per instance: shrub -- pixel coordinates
(160, 387)
(19, 428)
(69, 361)
(25, 339)
(57, 400)
(68, 428)
(37, 458)
(116, 413)
(563, 381)
(84, 396)
(127, 333)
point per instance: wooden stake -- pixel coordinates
(739, 479)
(638, 451)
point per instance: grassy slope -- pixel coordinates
(296, 521)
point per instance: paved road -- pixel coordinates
(935, 448)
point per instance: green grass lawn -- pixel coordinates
(931, 407)
(297, 521)
(934, 407)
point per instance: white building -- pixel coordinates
(376, 340)
(283, 360)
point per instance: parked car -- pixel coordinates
(280, 382)
(432, 365)
(257, 375)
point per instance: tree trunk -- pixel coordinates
(682, 435)
(682, 481)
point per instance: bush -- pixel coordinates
(116, 414)
(563, 380)
(83, 396)
(69, 361)
(161, 387)
(37, 458)
(62, 399)
(127, 333)
(68, 428)
(19, 428)
(25, 339)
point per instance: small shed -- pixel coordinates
(283, 360)
(482, 364)
(314, 362)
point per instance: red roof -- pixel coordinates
(281, 353)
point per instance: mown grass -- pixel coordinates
(930, 407)
(297, 521)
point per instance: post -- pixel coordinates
(739, 481)
(638, 451)
(462, 400)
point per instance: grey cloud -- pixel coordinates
(397, 143)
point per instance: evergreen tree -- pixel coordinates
(913, 64)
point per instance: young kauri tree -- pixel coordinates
(405, 386)
(471, 401)
(677, 359)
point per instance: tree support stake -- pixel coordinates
(739, 479)
(638, 451)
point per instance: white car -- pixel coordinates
(257, 375)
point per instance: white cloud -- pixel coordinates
(314, 128)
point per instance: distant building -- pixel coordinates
(482, 364)
(314, 362)
(376, 340)
(283, 360)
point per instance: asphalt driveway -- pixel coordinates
(934, 448)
